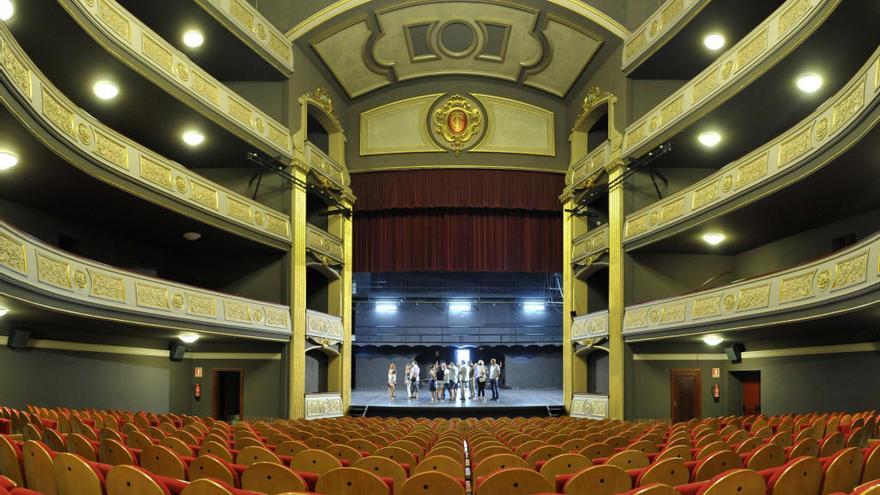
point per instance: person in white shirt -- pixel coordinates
(480, 376)
(414, 378)
(392, 380)
(494, 375)
(464, 379)
(452, 380)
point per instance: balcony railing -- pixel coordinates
(324, 245)
(592, 326)
(844, 274)
(591, 406)
(39, 267)
(586, 167)
(322, 164)
(165, 64)
(326, 405)
(124, 157)
(589, 244)
(669, 18)
(727, 74)
(322, 326)
(788, 151)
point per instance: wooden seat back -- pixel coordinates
(73, 476)
(130, 480)
(671, 472)
(564, 464)
(208, 466)
(766, 456)
(629, 459)
(800, 476)
(844, 472)
(441, 463)
(716, 464)
(161, 460)
(431, 483)
(738, 482)
(599, 480)
(497, 462)
(272, 479)
(345, 481)
(38, 468)
(314, 461)
(514, 481)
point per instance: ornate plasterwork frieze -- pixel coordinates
(738, 64)
(324, 327)
(587, 246)
(172, 66)
(647, 38)
(793, 148)
(34, 265)
(328, 170)
(253, 29)
(324, 245)
(587, 167)
(589, 328)
(319, 406)
(844, 274)
(589, 406)
(127, 158)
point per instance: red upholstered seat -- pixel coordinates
(863, 488)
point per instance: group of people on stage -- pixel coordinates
(465, 380)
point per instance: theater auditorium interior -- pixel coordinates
(439, 247)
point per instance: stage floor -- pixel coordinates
(506, 398)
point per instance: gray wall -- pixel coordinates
(262, 386)
(656, 276)
(796, 384)
(533, 368)
(597, 372)
(316, 372)
(93, 380)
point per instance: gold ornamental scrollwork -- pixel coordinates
(457, 123)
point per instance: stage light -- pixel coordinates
(714, 238)
(459, 306)
(386, 307)
(809, 83)
(192, 236)
(193, 138)
(105, 90)
(3, 312)
(7, 160)
(193, 38)
(713, 339)
(6, 9)
(709, 139)
(534, 306)
(188, 338)
(714, 41)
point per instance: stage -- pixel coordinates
(522, 402)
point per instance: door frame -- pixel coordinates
(215, 406)
(697, 373)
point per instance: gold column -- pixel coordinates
(297, 378)
(347, 352)
(615, 291)
(567, 298)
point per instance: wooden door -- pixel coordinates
(751, 392)
(686, 399)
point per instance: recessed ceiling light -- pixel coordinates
(459, 306)
(3, 312)
(713, 339)
(6, 9)
(188, 338)
(714, 238)
(192, 236)
(193, 138)
(709, 139)
(809, 83)
(193, 38)
(714, 41)
(105, 90)
(534, 306)
(7, 160)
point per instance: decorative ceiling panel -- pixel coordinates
(473, 38)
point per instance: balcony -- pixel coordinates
(329, 169)
(590, 327)
(240, 44)
(156, 82)
(805, 166)
(589, 245)
(324, 246)
(36, 274)
(323, 327)
(79, 140)
(841, 283)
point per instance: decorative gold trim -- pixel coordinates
(592, 326)
(63, 276)
(490, 102)
(318, 406)
(60, 345)
(670, 18)
(789, 150)
(589, 244)
(424, 102)
(457, 122)
(792, 289)
(161, 61)
(770, 353)
(367, 170)
(323, 326)
(324, 244)
(114, 152)
(590, 406)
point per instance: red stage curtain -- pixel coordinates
(439, 188)
(458, 220)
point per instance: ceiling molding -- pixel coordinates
(768, 353)
(342, 6)
(483, 167)
(60, 345)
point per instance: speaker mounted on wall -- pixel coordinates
(734, 352)
(177, 350)
(18, 338)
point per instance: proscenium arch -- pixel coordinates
(342, 6)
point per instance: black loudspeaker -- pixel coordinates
(18, 338)
(734, 352)
(177, 351)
